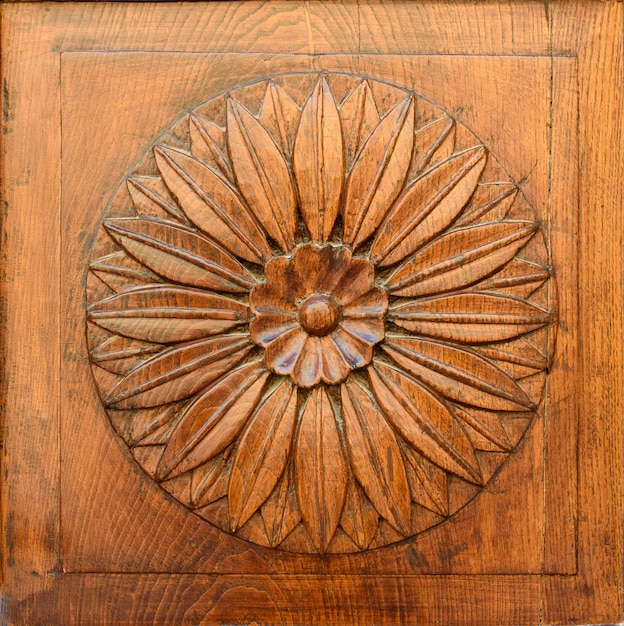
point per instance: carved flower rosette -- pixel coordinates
(320, 313)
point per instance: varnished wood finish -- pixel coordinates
(455, 250)
(304, 460)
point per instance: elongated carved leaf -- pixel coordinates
(115, 351)
(279, 115)
(359, 518)
(151, 198)
(167, 314)
(212, 421)
(460, 258)
(378, 173)
(209, 482)
(121, 272)
(262, 175)
(161, 434)
(262, 453)
(205, 144)
(148, 422)
(519, 354)
(179, 254)
(280, 512)
(212, 204)
(375, 457)
(488, 425)
(320, 469)
(424, 422)
(430, 489)
(490, 202)
(461, 375)
(470, 317)
(318, 162)
(360, 117)
(179, 372)
(434, 143)
(518, 277)
(428, 206)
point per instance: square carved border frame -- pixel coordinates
(582, 569)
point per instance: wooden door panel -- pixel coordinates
(108, 535)
(106, 517)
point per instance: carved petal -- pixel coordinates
(333, 362)
(209, 482)
(283, 352)
(262, 453)
(490, 202)
(357, 281)
(517, 277)
(280, 512)
(318, 162)
(151, 197)
(460, 258)
(370, 304)
(428, 206)
(434, 142)
(320, 469)
(147, 423)
(179, 254)
(424, 422)
(279, 115)
(487, 424)
(179, 372)
(205, 146)
(121, 272)
(168, 314)
(378, 173)
(359, 518)
(518, 354)
(375, 456)
(370, 330)
(431, 490)
(355, 351)
(112, 353)
(212, 204)
(276, 294)
(360, 117)
(308, 368)
(470, 317)
(267, 327)
(262, 175)
(458, 374)
(212, 421)
(320, 269)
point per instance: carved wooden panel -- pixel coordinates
(315, 299)
(312, 313)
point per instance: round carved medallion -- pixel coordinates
(319, 313)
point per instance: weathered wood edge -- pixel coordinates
(30, 524)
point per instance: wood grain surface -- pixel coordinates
(87, 554)
(496, 503)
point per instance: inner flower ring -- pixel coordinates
(318, 315)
